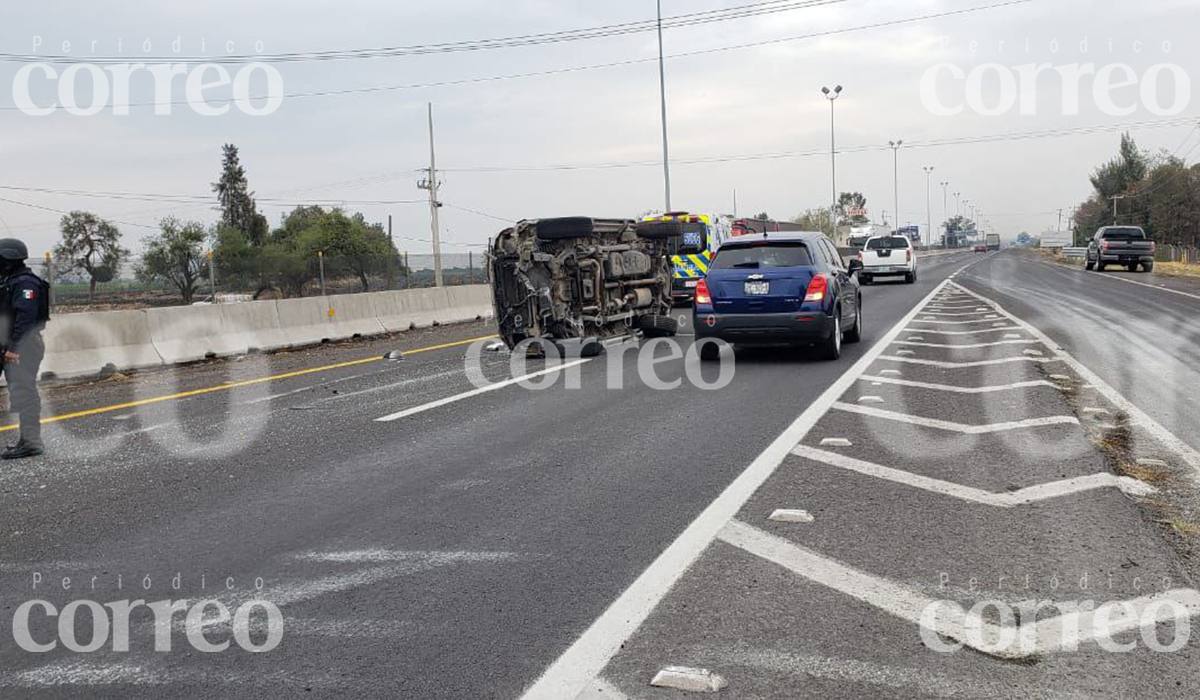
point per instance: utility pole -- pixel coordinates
(1115, 199)
(431, 183)
(393, 240)
(832, 96)
(928, 207)
(735, 202)
(1059, 221)
(957, 204)
(662, 93)
(895, 145)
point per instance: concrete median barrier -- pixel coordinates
(193, 333)
(255, 325)
(354, 315)
(304, 321)
(84, 344)
(80, 345)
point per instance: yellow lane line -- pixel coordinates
(247, 382)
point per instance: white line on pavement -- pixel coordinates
(964, 346)
(1123, 279)
(957, 389)
(1030, 494)
(978, 363)
(1046, 635)
(1140, 417)
(586, 657)
(952, 426)
(476, 392)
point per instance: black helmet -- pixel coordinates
(12, 249)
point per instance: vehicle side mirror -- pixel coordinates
(855, 266)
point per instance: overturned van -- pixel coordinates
(579, 277)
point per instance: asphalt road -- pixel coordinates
(458, 550)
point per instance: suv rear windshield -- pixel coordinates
(762, 255)
(888, 243)
(1125, 234)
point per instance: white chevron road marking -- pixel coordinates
(956, 427)
(956, 365)
(1030, 494)
(956, 389)
(1051, 634)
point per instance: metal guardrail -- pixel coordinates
(1074, 252)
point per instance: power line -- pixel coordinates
(587, 33)
(932, 143)
(577, 69)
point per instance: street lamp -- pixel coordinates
(957, 204)
(895, 146)
(662, 94)
(945, 208)
(832, 96)
(928, 207)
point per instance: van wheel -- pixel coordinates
(854, 335)
(657, 326)
(831, 349)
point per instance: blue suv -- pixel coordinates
(779, 289)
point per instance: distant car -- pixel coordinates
(1120, 245)
(981, 248)
(888, 256)
(779, 289)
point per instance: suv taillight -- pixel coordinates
(817, 289)
(702, 295)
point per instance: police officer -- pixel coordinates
(27, 309)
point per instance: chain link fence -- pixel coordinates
(257, 277)
(1188, 255)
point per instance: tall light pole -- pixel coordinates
(945, 209)
(895, 145)
(928, 207)
(832, 96)
(662, 94)
(957, 204)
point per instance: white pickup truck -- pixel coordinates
(888, 256)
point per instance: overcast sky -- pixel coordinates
(759, 100)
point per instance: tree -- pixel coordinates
(815, 220)
(238, 209)
(1024, 239)
(92, 245)
(349, 243)
(848, 201)
(958, 230)
(1173, 199)
(176, 256)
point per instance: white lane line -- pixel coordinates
(1124, 279)
(944, 313)
(951, 425)
(957, 389)
(601, 689)
(952, 365)
(1029, 494)
(965, 346)
(1031, 639)
(1139, 417)
(476, 392)
(586, 657)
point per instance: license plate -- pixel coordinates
(690, 284)
(758, 288)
